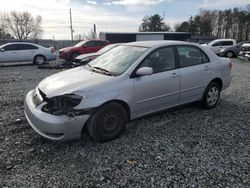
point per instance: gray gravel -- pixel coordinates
(182, 147)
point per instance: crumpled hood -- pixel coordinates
(69, 81)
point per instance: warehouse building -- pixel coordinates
(116, 37)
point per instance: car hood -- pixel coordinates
(83, 56)
(69, 81)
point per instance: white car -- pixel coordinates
(245, 52)
(217, 45)
(25, 52)
(125, 83)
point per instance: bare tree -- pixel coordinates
(4, 34)
(22, 25)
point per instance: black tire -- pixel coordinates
(39, 60)
(108, 122)
(230, 54)
(73, 56)
(211, 96)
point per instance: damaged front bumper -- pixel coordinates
(51, 126)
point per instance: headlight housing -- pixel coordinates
(62, 105)
(222, 50)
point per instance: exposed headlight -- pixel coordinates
(62, 105)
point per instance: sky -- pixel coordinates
(109, 15)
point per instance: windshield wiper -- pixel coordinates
(103, 71)
(89, 66)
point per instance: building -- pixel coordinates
(116, 37)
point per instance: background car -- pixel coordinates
(218, 44)
(125, 83)
(84, 47)
(245, 52)
(232, 51)
(85, 58)
(25, 52)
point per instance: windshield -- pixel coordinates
(107, 48)
(119, 59)
(80, 44)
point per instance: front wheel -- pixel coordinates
(73, 56)
(108, 122)
(39, 60)
(211, 96)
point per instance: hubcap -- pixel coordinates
(212, 96)
(39, 60)
(230, 54)
(109, 121)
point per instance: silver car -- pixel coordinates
(125, 83)
(11, 53)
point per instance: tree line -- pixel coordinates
(230, 23)
(20, 25)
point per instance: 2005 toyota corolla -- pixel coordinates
(125, 83)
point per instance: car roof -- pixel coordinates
(224, 40)
(20, 43)
(155, 43)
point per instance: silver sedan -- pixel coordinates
(125, 83)
(17, 52)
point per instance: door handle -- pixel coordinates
(174, 75)
(13, 52)
(206, 68)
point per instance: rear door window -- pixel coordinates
(190, 56)
(226, 43)
(26, 47)
(99, 43)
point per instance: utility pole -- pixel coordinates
(71, 28)
(94, 30)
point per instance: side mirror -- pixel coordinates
(143, 71)
(2, 50)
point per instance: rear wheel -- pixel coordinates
(230, 54)
(39, 60)
(108, 122)
(211, 96)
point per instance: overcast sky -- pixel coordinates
(109, 15)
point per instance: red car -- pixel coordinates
(83, 47)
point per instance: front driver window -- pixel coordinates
(216, 44)
(160, 60)
(10, 47)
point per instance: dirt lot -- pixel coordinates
(183, 147)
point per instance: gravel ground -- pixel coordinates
(182, 147)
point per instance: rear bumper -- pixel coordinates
(51, 57)
(58, 128)
(226, 80)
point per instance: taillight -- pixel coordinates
(231, 65)
(52, 50)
